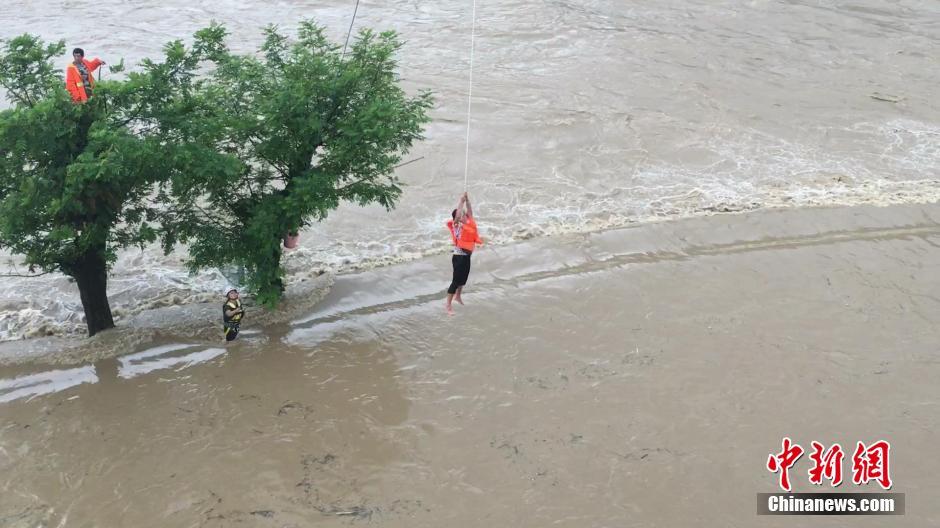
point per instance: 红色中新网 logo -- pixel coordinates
(869, 463)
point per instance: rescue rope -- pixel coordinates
(466, 161)
(348, 33)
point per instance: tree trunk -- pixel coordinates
(276, 281)
(91, 274)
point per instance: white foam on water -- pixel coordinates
(160, 358)
(33, 385)
(749, 170)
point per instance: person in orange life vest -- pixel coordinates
(463, 233)
(78, 78)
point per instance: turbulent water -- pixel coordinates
(586, 115)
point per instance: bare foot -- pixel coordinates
(459, 300)
(450, 311)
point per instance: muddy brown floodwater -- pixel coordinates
(635, 377)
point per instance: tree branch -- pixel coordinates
(25, 276)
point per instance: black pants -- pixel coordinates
(461, 272)
(231, 331)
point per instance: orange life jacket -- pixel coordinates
(73, 79)
(468, 234)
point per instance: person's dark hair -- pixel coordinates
(80, 51)
(453, 214)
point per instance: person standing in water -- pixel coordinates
(79, 80)
(463, 233)
(232, 313)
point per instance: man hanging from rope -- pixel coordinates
(79, 80)
(463, 233)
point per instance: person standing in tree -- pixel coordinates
(79, 80)
(463, 233)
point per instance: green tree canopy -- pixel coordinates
(311, 126)
(78, 181)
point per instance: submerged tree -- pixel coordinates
(229, 162)
(312, 127)
(78, 181)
